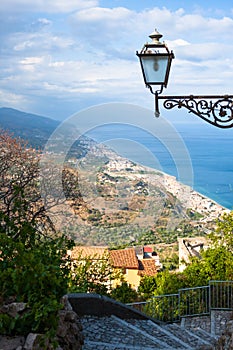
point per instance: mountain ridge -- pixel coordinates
(33, 128)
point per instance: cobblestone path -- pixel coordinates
(113, 333)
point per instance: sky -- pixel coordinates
(59, 57)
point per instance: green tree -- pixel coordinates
(124, 293)
(34, 266)
(147, 286)
(217, 260)
(216, 263)
(169, 283)
(164, 282)
(223, 236)
(20, 198)
(92, 274)
(33, 269)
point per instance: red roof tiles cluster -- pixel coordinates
(124, 258)
(121, 258)
(147, 267)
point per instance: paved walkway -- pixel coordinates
(107, 333)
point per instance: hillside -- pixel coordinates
(123, 203)
(36, 130)
(116, 202)
(33, 128)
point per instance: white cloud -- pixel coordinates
(178, 42)
(13, 100)
(57, 64)
(200, 28)
(96, 58)
(122, 30)
(40, 24)
(24, 45)
(31, 60)
(202, 51)
(30, 63)
(79, 76)
(49, 6)
(39, 42)
(99, 14)
(103, 27)
(75, 79)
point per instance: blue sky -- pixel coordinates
(58, 57)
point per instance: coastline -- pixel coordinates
(189, 197)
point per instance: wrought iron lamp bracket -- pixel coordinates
(216, 110)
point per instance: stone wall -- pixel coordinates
(202, 322)
(69, 332)
(225, 342)
(219, 321)
(214, 324)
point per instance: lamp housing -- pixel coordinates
(155, 59)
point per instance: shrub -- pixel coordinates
(124, 293)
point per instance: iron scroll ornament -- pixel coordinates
(216, 110)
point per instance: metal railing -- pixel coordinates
(218, 295)
(221, 295)
(194, 301)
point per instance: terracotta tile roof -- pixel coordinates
(147, 267)
(124, 258)
(94, 252)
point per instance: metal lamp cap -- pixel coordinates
(155, 36)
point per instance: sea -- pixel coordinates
(207, 150)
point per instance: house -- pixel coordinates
(147, 252)
(93, 252)
(134, 263)
(126, 261)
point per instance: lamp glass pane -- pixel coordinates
(155, 68)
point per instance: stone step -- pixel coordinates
(193, 339)
(111, 332)
(116, 334)
(107, 333)
(204, 335)
(161, 334)
(90, 345)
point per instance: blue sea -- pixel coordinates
(210, 150)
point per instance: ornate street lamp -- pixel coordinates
(155, 59)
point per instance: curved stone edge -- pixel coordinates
(98, 305)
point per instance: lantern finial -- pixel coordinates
(155, 37)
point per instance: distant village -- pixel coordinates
(134, 262)
(140, 261)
